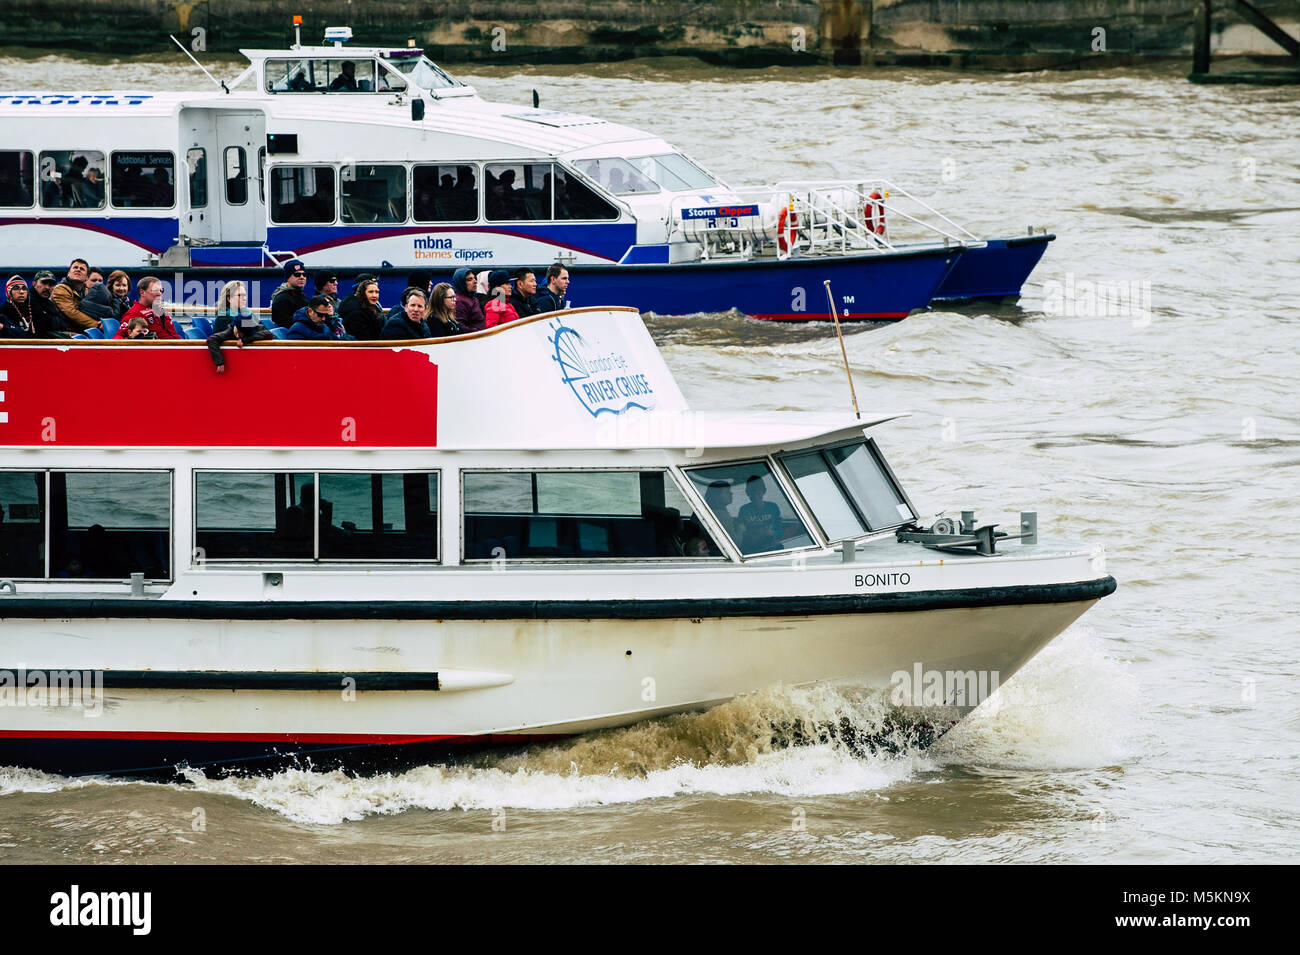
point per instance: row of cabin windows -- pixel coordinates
(110, 524)
(384, 193)
(353, 194)
(81, 179)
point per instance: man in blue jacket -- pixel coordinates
(410, 324)
(315, 323)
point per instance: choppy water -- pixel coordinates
(1163, 727)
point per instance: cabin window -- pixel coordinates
(370, 193)
(423, 72)
(624, 515)
(518, 191)
(16, 178)
(848, 489)
(100, 525)
(72, 179)
(144, 180)
(334, 75)
(302, 194)
(617, 176)
(236, 175)
(752, 507)
(445, 193)
(196, 163)
(22, 527)
(241, 515)
(574, 199)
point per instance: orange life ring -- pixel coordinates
(782, 242)
(874, 212)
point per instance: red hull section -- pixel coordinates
(129, 395)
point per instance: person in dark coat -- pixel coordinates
(317, 322)
(110, 299)
(351, 302)
(442, 312)
(551, 297)
(48, 319)
(469, 313)
(411, 324)
(289, 297)
(363, 317)
(16, 320)
(521, 297)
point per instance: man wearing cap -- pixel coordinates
(289, 297)
(149, 307)
(16, 313)
(67, 296)
(48, 319)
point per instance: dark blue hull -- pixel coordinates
(998, 270)
(872, 287)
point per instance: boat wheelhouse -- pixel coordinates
(523, 533)
(375, 160)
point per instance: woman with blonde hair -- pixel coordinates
(232, 305)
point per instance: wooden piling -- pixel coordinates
(1201, 37)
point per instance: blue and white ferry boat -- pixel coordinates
(376, 160)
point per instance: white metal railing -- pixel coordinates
(816, 217)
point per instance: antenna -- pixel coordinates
(536, 99)
(221, 83)
(835, 316)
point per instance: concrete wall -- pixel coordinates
(994, 34)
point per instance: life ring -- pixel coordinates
(788, 218)
(874, 212)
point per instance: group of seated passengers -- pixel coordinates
(505, 201)
(80, 185)
(83, 300)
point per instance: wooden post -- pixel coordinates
(1201, 37)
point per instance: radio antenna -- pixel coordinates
(221, 83)
(835, 317)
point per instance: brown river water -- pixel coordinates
(1162, 727)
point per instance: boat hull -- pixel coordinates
(500, 680)
(998, 270)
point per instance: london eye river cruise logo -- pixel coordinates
(604, 381)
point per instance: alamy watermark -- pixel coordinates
(922, 687)
(83, 688)
(1084, 297)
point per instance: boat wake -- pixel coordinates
(1071, 707)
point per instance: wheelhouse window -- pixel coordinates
(331, 75)
(645, 174)
(302, 194)
(617, 175)
(72, 179)
(445, 193)
(144, 180)
(848, 489)
(16, 178)
(101, 525)
(196, 164)
(624, 515)
(236, 161)
(749, 503)
(518, 191)
(241, 515)
(422, 71)
(371, 193)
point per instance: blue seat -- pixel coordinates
(203, 325)
(82, 335)
(281, 333)
(270, 324)
(195, 334)
(111, 325)
(94, 333)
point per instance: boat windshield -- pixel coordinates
(849, 489)
(747, 500)
(646, 174)
(424, 73)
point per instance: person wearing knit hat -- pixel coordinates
(16, 313)
(498, 308)
(289, 297)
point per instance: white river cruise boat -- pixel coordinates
(366, 159)
(374, 552)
